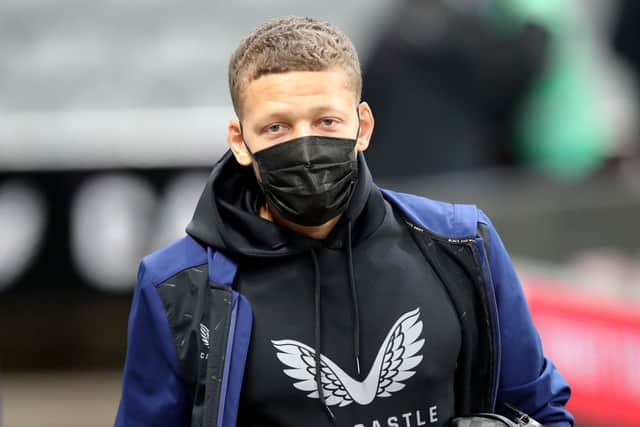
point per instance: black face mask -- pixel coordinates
(309, 180)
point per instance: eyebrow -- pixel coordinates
(286, 113)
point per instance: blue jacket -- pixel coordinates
(159, 370)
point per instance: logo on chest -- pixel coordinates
(393, 366)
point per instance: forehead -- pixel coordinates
(298, 91)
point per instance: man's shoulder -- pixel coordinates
(166, 262)
(450, 220)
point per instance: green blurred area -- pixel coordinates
(558, 131)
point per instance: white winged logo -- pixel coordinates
(204, 334)
(393, 365)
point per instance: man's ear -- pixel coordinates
(366, 126)
(236, 143)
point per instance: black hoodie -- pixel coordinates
(364, 296)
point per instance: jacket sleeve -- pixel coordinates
(528, 380)
(153, 393)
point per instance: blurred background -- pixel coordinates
(112, 113)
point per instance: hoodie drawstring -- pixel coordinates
(317, 320)
(354, 302)
(318, 344)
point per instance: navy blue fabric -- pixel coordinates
(528, 380)
(153, 394)
(445, 219)
(242, 336)
(227, 360)
(222, 270)
(174, 258)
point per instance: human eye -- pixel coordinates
(329, 122)
(274, 129)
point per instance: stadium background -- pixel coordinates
(112, 113)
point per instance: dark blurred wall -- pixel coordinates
(60, 312)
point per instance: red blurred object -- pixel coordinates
(595, 343)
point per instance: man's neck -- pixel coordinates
(318, 232)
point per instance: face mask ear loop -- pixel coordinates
(357, 133)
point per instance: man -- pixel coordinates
(304, 295)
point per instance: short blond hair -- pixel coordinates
(291, 44)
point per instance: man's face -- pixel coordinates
(284, 106)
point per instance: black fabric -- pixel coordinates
(456, 266)
(219, 303)
(392, 278)
(317, 335)
(226, 217)
(447, 87)
(483, 231)
(354, 300)
(369, 275)
(199, 314)
(183, 298)
(309, 180)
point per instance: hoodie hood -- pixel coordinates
(227, 215)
